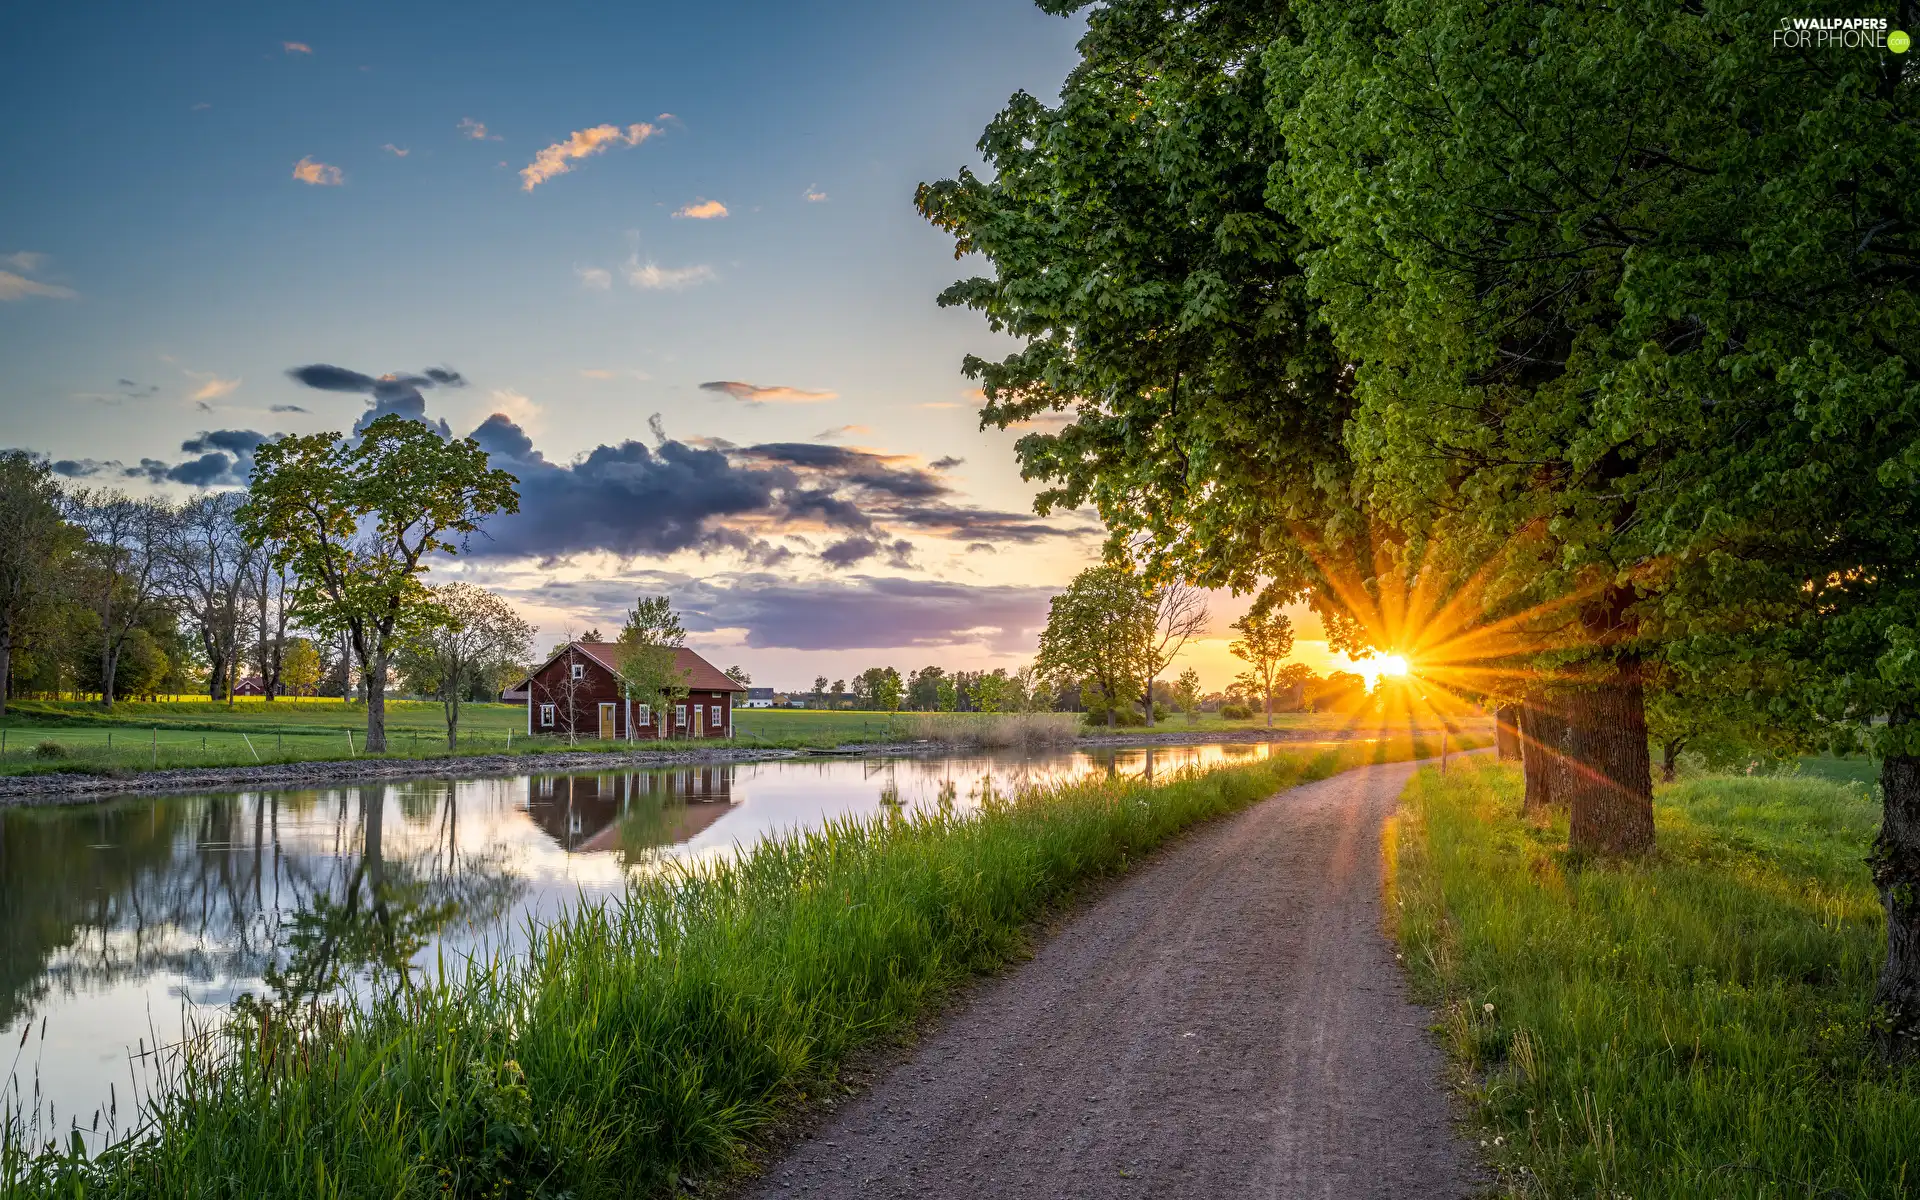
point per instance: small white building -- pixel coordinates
(759, 698)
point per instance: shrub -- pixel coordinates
(1235, 712)
(49, 750)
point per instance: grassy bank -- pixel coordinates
(646, 1043)
(1694, 1026)
(38, 737)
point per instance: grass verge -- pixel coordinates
(644, 1044)
(1691, 1026)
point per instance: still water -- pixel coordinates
(120, 923)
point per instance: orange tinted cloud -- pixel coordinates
(477, 130)
(558, 158)
(703, 210)
(317, 173)
(753, 393)
(296, 47)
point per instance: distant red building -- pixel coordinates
(578, 693)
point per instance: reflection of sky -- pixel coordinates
(191, 933)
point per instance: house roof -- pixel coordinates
(702, 676)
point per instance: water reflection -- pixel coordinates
(120, 922)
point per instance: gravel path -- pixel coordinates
(1228, 1021)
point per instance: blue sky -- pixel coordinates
(196, 199)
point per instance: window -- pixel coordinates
(646, 714)
(717, 722)
(579, 670)
(546, 715)
(680, 715)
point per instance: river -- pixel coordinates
(122, 923)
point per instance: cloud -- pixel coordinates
(224, 459)
(595, 277)
(476, 130)
(626, 498)
(652, 278)
(288, 408)
(203, 106)
(392, 393)
(814, 195)
(858, 549)
(296, 47)
(317, 173)
(939, 404)
(840, 431)
(754, 393)
(558, 159)
(214, 387)
(946, 464)
(396, 151)
(860, 612)
(516, 407)
(14, 284)
(702, 210)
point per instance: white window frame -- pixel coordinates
(546, 716)
(718, 721)
(579, 670)
(646, 714)
(679, 716)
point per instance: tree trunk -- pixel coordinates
(376, 684)
(453, 719)
(6, 669)
(1269, 708)
(1542, 734)
(1896, 873)
(217, 679)
(1506, 733)
(1670, 758)
(109, 662)
(1610, 777)
(1149, 704)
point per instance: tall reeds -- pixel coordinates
(642, 1043)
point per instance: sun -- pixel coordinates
(1391, 664)
(1376, 667)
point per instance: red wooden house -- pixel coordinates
(579, 693)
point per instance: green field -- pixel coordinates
(201, 733)
(1693, 1025)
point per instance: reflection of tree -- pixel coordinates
(196, 887)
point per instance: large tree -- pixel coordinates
(1639, 292)
(1098, 632)
(33, 540)
(1173, 369)
(358, 520)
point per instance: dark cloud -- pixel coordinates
(977, 524)
(628, 499)
(946, 464)
(887, 475)
(860, 612)
(224, 458)
(329, 378)
(393, 394)
(868, 612)
(82, 468)
(858, 549)
(288, 408)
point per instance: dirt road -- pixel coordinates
(1227, 1022)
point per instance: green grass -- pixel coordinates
(648, 1042)
(1696, 1025)
(138, 736)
